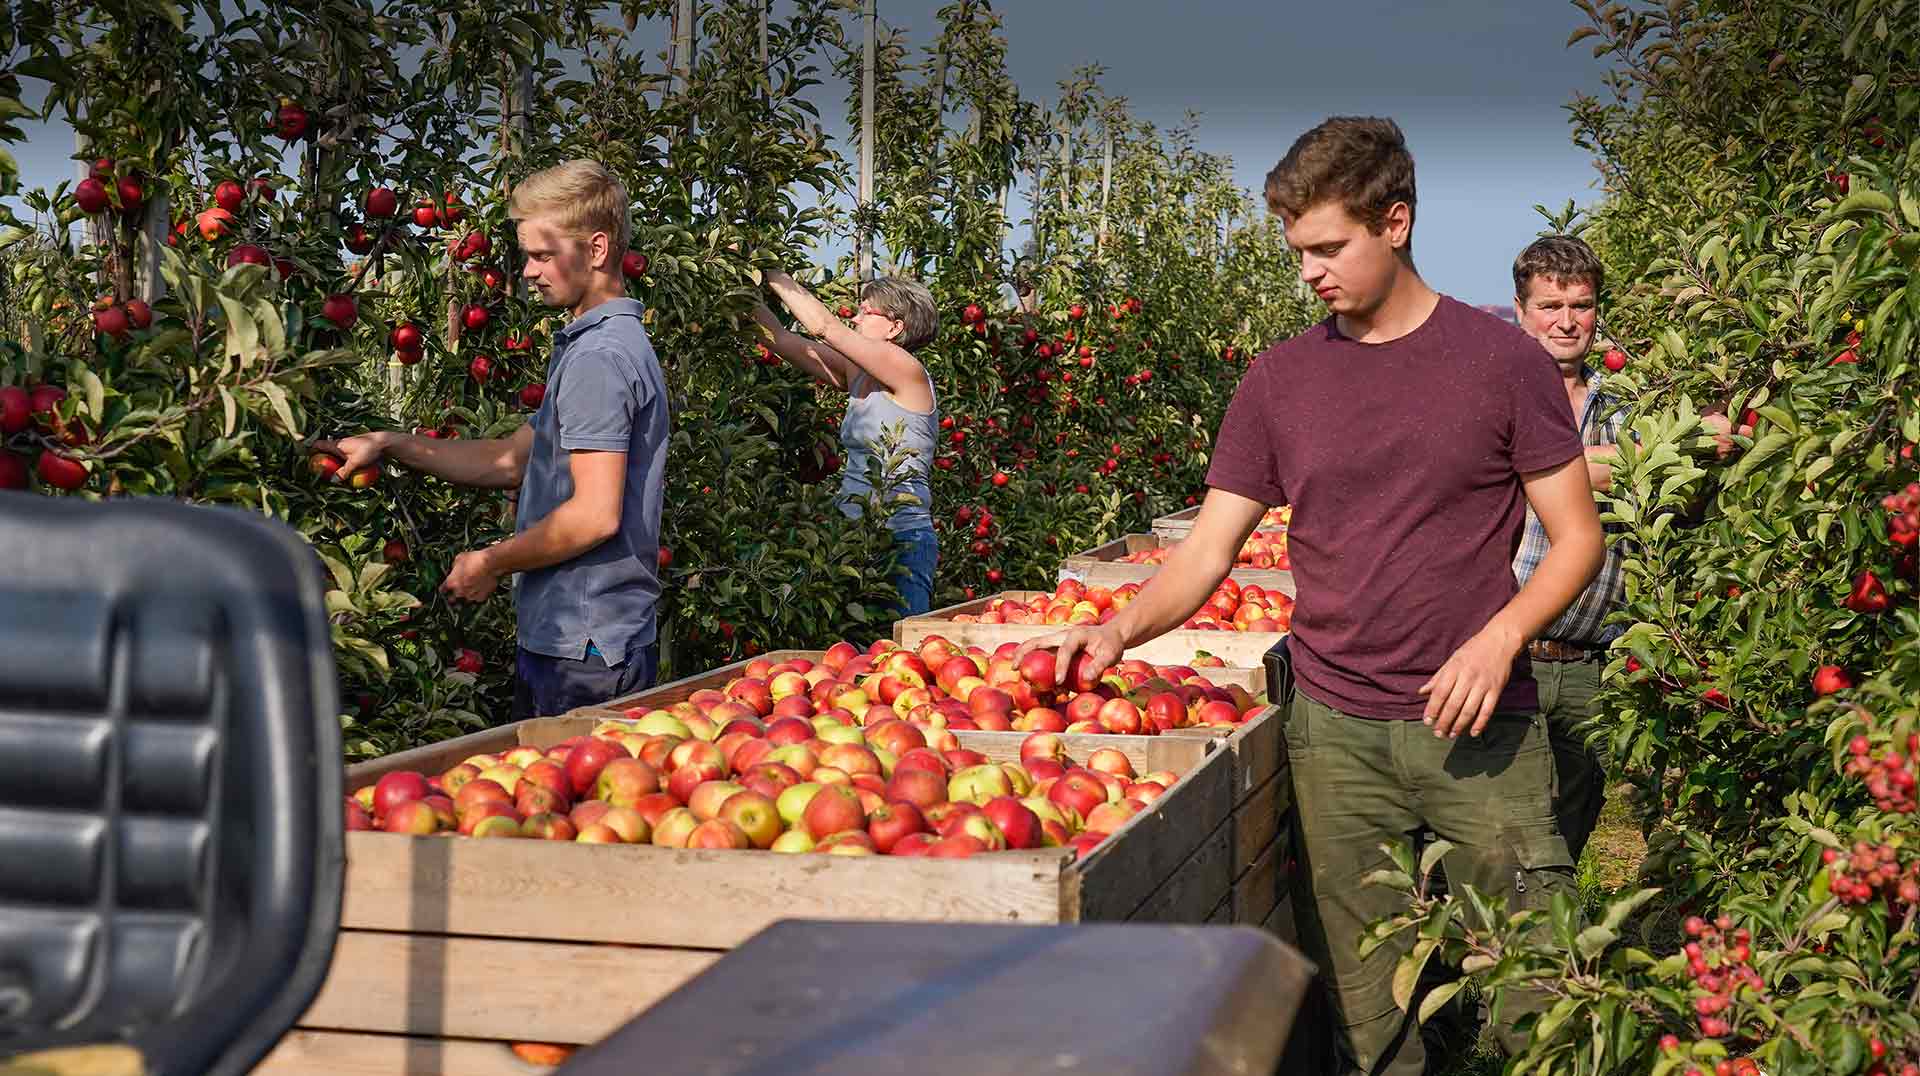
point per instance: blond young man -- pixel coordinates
(590, 465)
(1410, 433)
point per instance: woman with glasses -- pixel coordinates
(888, 389)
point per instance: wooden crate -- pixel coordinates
(1101, 566)
(452, 947)
(1176, 526)
(1240, 649)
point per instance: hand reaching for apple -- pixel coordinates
(1721, 427)
(360, 450)
(1100, 643)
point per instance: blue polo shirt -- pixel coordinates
(605, 393)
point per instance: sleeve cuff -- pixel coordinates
(595, 444)
(1546, 459)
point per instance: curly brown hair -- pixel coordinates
(1362, 162)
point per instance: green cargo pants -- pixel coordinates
(1567, 690)
(1359, 783)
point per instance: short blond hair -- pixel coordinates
(583, 195)
(908, 302)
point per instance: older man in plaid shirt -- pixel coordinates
(1556, 288)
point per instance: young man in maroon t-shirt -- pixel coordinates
(1410, 433)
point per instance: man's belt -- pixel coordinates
(1555, 650)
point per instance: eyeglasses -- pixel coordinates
(869, 312)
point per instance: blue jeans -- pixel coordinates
(545, 686)
(919, 554)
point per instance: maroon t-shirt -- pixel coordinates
(1402, 462)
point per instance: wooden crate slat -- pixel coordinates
(494, 988)
(1257, 891)
(333, 1053)
(1120, 874)
(1193, 889)
(1176, 526)
(1259, 751)
(1256, 822)
(643, 895)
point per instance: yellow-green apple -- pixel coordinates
(1085, 728)
(661, 723)
(889, 822)
(839, 734)
(941, 740)
(755, 815)
(522, 756)
(482, 761)
(832, 775)
(702, 726)
(674, 828)
(793, 840)
(414, 817)
(1163, 778)
(496, 826)
(1044, 809)
(798, 757)
(477, 791)
(1110, 816)
(792, 802)
(960, 846)
(921, 787)
(505, 775)
(597, 834)
(548, 827)
(1017, 778)
(1018, 824)
(1122, 718)
(853, 842)
(707, 797)
(587, 812)
(1054, 834)
(981, 827)
(849, 697)
(1116, 786)
(1079, 791)
(396, 788)
(788, 683)
(978, 784)
(913, 844)
(1111, 760)
(624, 780)
(612, 728)
(964, 687)
(458, 775)
(832, 809)
(718, 834)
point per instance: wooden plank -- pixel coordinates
(1124, 870)
(1257, 891)
(1256, 822)
(644, 895)
(1193, 890)
(1176, 526)
(332, 1053)
(429, 984)
(1222, 914)
(1259, 751)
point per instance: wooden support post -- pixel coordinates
(1106, 189)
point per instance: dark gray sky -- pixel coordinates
(1479, 87)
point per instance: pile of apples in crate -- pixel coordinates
(855, 755)
(1231, 608)
(1262, 549)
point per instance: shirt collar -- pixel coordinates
(610, 308)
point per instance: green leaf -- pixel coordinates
(277, 396)
(1406, 974)
(1593, 941)
(1864, 202)
(1430, 858)
(1437, 997)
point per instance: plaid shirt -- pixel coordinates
(1584, 622)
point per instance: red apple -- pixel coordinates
(1015, 820)
(718, 834)
(961, 846)
(889, 822)
(396, 788)
(833, 809)
(622, 781)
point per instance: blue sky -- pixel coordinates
(1480, 89)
